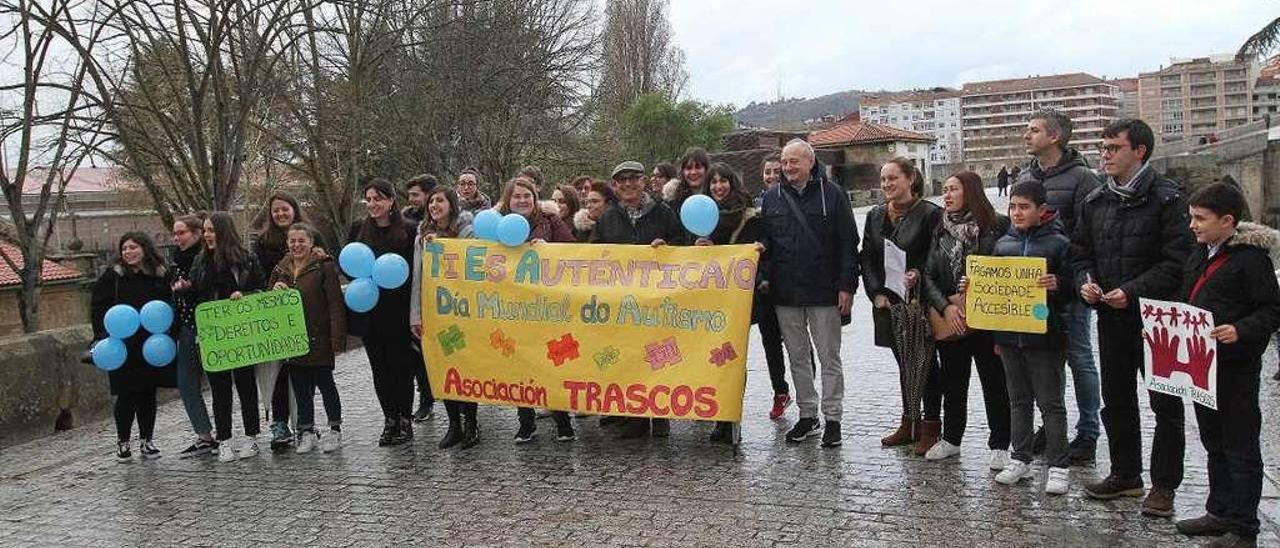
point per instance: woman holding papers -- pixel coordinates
(970, 226)
(908, 223)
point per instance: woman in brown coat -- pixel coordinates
(315, 276)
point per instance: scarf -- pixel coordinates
(635, 213)
(1127, 190)
(963, 230)
(732, 211)
(480, 202)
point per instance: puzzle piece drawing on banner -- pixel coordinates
(607, 357)
(451, 339)
(502, 343)
(563, 349)
(723, 354)
(662, 353)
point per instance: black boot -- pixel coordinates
(390, 429)
(452, 436)
(406, 429)
(470, 432)
(424, 408)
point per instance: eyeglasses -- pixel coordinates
(1112, 149)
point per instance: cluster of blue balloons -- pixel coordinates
(699, 214)
(367, 275)
(122, 321)
(510, 230)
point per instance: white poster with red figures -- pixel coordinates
(1181, 358)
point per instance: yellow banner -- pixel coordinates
(1003, 294)
(593, 328)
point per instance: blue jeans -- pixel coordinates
(1084, 372)
(189, 375)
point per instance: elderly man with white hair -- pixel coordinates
(810, 268)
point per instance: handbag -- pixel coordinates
(940, 327)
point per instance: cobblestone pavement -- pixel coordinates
(66, 489)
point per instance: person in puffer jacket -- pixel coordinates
(1230, 274)
(1130, 242)
(1033, 364)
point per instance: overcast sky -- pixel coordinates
(738, 51)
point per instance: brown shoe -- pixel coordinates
(1114, 487)
(1206, 525)
(1159, 503)
(906, 433)
(927, 435)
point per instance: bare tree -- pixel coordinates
(639, 57)
(55, 131)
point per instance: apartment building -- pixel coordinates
(933, 112)
(1197, 97)
(994, 116)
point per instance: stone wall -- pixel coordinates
(43, 385)
(61, 305)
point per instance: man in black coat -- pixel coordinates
(811, 270)
(638, 218)
(1131, 240)
(1067, 181)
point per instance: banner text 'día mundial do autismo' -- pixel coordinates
(591, 328)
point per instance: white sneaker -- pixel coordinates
(941, 450)
(999, 459)
(227, 450)
(1014, 472)
(331, 442)
(1058, 482)
(306, 442)
(249, 448)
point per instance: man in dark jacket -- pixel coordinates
(1131, 240)
(811, 270)
(1067, 180)
(637, 218)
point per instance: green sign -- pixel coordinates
(256, 328)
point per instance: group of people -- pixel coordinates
(1106, 243)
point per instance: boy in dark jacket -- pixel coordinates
(1034, 364)
(1230, 274)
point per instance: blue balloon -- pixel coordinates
(700, 214)
(390, 271)
(156, 316)
(486, 224)
(513, 230)
(109, 354)
(159, 350)
(356, 259)
(121, 321)
(361, 295)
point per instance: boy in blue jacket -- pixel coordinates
(1034, 364)
(1230, 274)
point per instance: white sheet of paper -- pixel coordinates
(895, 269)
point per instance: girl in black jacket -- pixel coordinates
(739, 224)
(909, 222)
(388, 342)
(268, 244)
(225, 270)
(137, 277)
(188, 240)
(970, 226)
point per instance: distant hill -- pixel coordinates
(792, 113)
